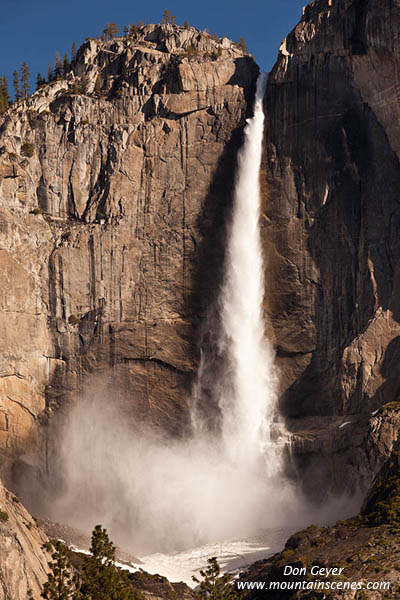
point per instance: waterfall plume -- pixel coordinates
(155, 493)
(248, 395)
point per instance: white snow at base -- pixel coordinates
(232, 556)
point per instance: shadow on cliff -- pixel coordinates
(213, 224)
(354, 241)
(213, 220)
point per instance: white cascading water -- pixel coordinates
(248, 404)
(161, 495)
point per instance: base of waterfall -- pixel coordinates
(233, 556)
(238, 554)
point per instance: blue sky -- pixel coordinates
(33, 30)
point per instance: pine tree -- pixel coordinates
(166, 18)
(2, 99)
(186, 24)
(5, 90)
(126, 30)
(101, 580)
(133, 29)
(111, 30)
(58, 69)
(66, 65)
(62, 582)
(39, 81)
(73, 51)
(25, 80)
(4, 95)
(50, 73)
(215, 586)
(17, 90)
(242, 44)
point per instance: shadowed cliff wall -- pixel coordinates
(331, 227)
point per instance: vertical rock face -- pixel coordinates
(332, 217)
(113, 183)
(23, 562)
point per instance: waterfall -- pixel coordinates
(224, 481)
(248, 396)
(245, 388)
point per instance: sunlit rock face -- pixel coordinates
(113, 188)
(331, 229)
(23, 561)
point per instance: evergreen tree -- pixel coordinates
(215, 586)
(111, 30)
(62, 582)
(50, 73)
(73, 51)
(17, 90)
(4, 95)
(66, 65)
(3, 107)
(186, 24)
(133, 29)
(39, 80)
(25, 80)
(5, 90)
(166, 18)
(58, 69)
(242, 44)
(126, 30)
(101, 579)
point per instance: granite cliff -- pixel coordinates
(113, 182)
(23, 562)
(331, 231)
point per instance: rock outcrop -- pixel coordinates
(23, 562)
(113, 182)
(366, 548)
(332, 222)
